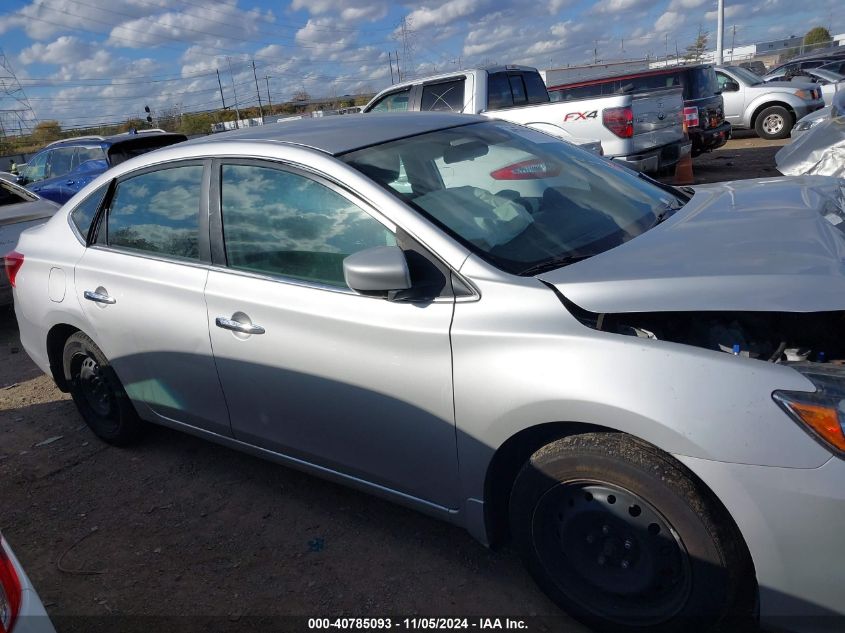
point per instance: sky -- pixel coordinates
(84, 62)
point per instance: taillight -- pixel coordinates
(620, 121)
(527, 170)
(13, 261)
(691, 116)
(10, 590)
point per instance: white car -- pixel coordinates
(21, 610)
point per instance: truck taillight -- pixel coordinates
(527, 170)
(620, 121)
(691, 116)
(13, 262)
(10, 590)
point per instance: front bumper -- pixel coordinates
(792, 520)
(709, 139)
(659, 159)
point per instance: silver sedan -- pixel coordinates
(21, 610)
(640, 386)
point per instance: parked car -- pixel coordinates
(837, 66)
(19, 209)
(63, 168)
(757, 67)
(829, 81)
(770, 109)
(704, 111)
(645, 131)
(21, 610)
(601, 367)
(801, 65)
(810, 121)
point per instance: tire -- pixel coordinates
(98, 394)
(773, 123)
(619, 535)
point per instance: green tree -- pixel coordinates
(816, 37)
(46, 132)
(696, 50)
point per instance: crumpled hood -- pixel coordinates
(773, 244)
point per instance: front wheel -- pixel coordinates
(620, 536)
(97, 392)
(774, 122)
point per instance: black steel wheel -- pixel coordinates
(620, 536)
(97, 392)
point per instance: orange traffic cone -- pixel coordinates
(683, 169)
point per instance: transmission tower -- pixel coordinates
(16, 114)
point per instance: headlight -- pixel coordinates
(807, 95)
(803, 126)
(821, 413)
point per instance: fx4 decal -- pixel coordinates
(578, 116)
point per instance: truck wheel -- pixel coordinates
(97, 392)
(773, 123)
(619, 535)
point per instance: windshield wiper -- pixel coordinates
(668, 211)
(550, 264)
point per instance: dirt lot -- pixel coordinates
(181, 527)
(744, 156)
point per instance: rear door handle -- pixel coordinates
(98, 297)
(237, 326)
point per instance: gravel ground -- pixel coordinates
(181, 527)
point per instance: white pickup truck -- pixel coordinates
(644, 130)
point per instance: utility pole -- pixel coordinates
(220, 85)
(390, 61)
(398, 72)
(269, 103)
(237, 112)
(257, 92)
(733, 42)
(666, 46)
(720, 32)
(596, 52)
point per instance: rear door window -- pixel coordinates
(535, 88)
(498, 91)
(448, 96)
(394, 102)
(158, 212)
(83, 214)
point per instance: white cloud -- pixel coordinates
(428, 16)
(669, 21)
(66, 49)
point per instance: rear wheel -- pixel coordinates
(773, 123)
(97, 392)
(619, 535)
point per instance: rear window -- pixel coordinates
(701, 83)
(508, 89)
(141, 144)
(448, 96)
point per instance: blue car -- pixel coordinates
(62, 168)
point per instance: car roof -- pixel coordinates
(348, 132)
(114, 139)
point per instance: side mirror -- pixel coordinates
(730, 86)
(380, 270)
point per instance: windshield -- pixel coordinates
(746, 76)
(827, 75)
(519, 198)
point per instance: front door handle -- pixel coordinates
(99, 297)
(237, 326)
(70, 182)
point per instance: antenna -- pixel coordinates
(16, 113)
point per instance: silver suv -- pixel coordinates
(770, 109)
(638, 385)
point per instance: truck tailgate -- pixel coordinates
(658, 119)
